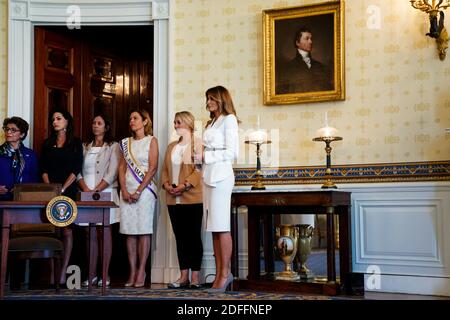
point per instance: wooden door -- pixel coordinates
(57, 80)
(92, 70)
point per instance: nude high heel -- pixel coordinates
(229, 280)
(140, 284)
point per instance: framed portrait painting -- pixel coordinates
(304, 54)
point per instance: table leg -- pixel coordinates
(5, 241)
(106, 247)
(253, 244)
(345, 243)
(268, 243)
(92, 231)
(235, 239)
(331, 261)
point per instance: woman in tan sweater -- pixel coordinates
(182, 182)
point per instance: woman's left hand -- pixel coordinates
(135, 197)
(178, 190)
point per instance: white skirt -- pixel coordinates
(217, 205)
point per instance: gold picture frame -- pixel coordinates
(288, 77)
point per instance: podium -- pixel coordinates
(33, 212)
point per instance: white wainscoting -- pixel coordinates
(402, 229)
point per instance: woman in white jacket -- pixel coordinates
(99, 173)
(221, 147)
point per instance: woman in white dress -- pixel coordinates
(99, 173)
(137, 167)
(221, 147)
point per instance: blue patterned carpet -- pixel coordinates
(153, 294)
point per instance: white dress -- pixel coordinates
(137, 218)
(221, 141)
(90, 159)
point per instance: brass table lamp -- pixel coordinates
(327, 137)
(258, 138)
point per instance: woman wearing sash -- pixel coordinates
(99, 173)
(221, 147)
(137, 167)
(61, 160)
(182, 182)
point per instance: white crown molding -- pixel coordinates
(92, 12)
(19, 9)
(160, 10)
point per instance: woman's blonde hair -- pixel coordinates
(187, 118)
(223, 99)
(148, 128)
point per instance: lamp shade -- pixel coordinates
(257, 136)
(327, 132)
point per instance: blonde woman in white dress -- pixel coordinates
(99, 173)
(137, 167)
(221, 147)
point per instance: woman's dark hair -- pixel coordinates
(51, 141)
(108, 137)
(223, 99)
(148, 128)
(21, 124)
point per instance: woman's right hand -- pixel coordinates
(198, 156)
(3, 190)
(126, 196)
(168, 187)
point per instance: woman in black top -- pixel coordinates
(61, 161)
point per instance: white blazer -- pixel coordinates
(221, 142)
(107, 164)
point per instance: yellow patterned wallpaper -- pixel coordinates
(3, 60)
(397, 104)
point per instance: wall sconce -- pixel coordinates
(437, 30)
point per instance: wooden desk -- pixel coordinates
(92, 212)
(262, 205)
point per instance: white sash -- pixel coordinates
(133, 165)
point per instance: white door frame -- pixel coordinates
(23, 15)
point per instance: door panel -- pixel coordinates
(57, 80)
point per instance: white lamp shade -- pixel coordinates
(327, 132)
(257, 136)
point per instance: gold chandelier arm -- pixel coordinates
(422, 5)
(445, 6)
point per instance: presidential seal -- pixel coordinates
(61, 211)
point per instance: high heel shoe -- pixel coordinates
(129, 284)
(140, 284)
(85, 283)
(229, 280)
(100, 282)
(178, 285)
